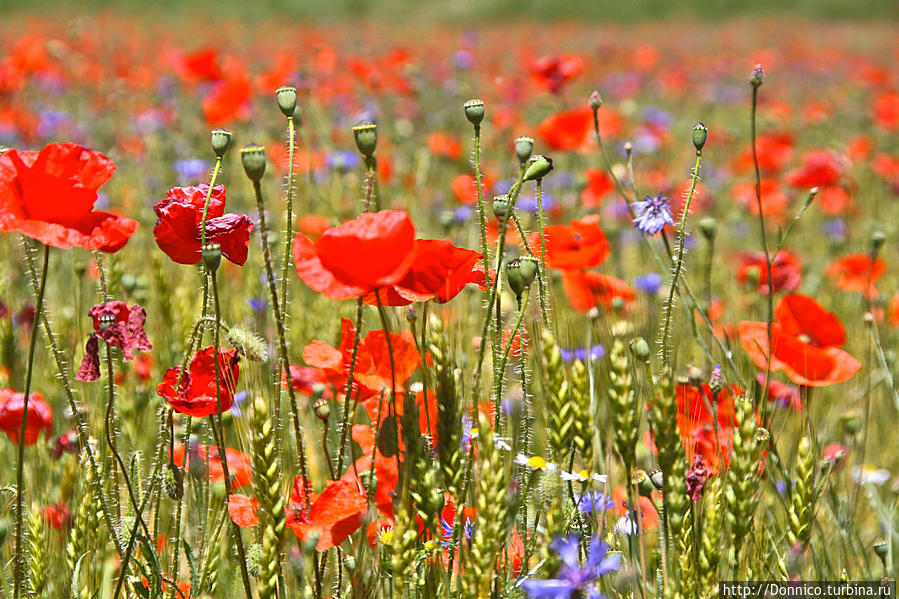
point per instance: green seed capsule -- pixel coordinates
(700, 134)
(524, 147)
(221, 141)
(538, 167)
(253, 159)
(287, 100)
(474, 111)
(366, 135)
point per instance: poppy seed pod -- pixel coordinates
(524, 147)
(657, 479)
(366, 136)
(321, 408)
(520, 273)
(644, 484)
(640, 348)
(501, 207)
(105, 321)
(878, 238)
(474, 111)
(700, 134)
(287, 100)
(221, 141)
(595, 100)
(538, 167)
(212, 256)
(253, 159)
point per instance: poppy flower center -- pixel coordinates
(106, 319)
(805, 338)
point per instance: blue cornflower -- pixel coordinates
(649, 283)
(191, 169)
(574, 579)
(652, 214)
(239, 398)
(593, 502)
(580, 353)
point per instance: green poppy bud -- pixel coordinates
(253, 159)
(221, 141)
(708, 226)
(366, 135)
(641, 349)
(878, 238)
(501, 207)
(287, 100)
(520, 273)
(657, 479)
(129, 282)
(474, 111)
(322, 410)
(700, 134)
(644, 484)
(538, 167)
(851, 422)
(757, 77)
(524, 147)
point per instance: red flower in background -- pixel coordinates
(786, 270)
(885, 107)
(821, 168)
(569, 130)
(374, 250)
(599, 184)
(242, 510)
(857, 272)
(119, 326)
(806, 341)
(196, 395)
(774, 151)
(577, 246)
(445, 145)
(335, 514)
(180, 216)
(440, 271)
(40, 416)
(588, 289)
(552, 73)
(696, 422)
(200, 65)
(774, 201)
(230, 98)
(386, 472)
(239, 464)
(50, 195)
(465, 188)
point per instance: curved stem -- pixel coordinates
(20, 455)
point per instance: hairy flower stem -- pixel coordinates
(345, 418)
(678, 265)
(284, 361)
(219, 435)
(498, 382)
(20, 455)
(482, 213)
(541, 272)
(288, 234)
(215, 175)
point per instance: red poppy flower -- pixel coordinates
(239, 464)
(599, 184)
(440, 271)
(50, 195)
(201, 65)
(335, 514)
(230, 98)
(180, 216)
(374, 250)
(774, 151)
(568, 130)
(577, 246)
(242, 510)
(857, 272)
(447, 146)
(57, 515)
(465, 188)
(784, 395)
(119, 326)
(774, 201)
(588, 289)
(386, 472)
(786, 270)
(305, 379)
(649, 517)
(821, 168)
(696, 422)
(196, 396)
(554, 72)
(885, 107)
(806, 339)
(834, 200)
(40, 416)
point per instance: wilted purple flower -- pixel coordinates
(574, 579)
(652, 214)
(119, 326)
(696, 477)
(649, 283)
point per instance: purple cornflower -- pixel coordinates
(239, 398)
(593, 502)
(649, 283)
(190, 169)
(652, 214)
(580, 353)
(574, 579)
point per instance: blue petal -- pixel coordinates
(548, 589)
(567, 550)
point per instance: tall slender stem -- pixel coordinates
(20, 456)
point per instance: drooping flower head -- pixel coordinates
(196, 395)
(652, 214)
(49, 196)
(119, 326)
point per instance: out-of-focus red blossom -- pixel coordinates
(834, 200)
(774, 201)
(67, 442)
(649, 517)
(386, 472)
(197, 66)
(439, 272)
(569, 130)
(553, 72)
(230, 97)
(426, 427)
(335, 514)
(305, 379)
(465, 188)
(886, 167)
(836, 454)
(372, 373)
(180, 217)
(374, 250)
(696, 423)
(57, 515)
(782, 394)
(143, 367)
(786, 270)
(239, 464)
(820, 168)
(589, 289)
(184, 587)
(40, 416)
(857, 272)
(242, 510)
(599, 184)
(50, 195)
(579, 245)
(119, 326)
(197, 395)
(893, 310)
(444, 145)
(806, 341)
(774, 151)
(885, 108)
(313, 226)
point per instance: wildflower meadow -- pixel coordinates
(505, 308)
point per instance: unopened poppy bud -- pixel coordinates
(538, 167)
(878, 238)
(644, 484)
(640, 348)
(501, 207)
(105, 321)
(850, 421)
(287, 100)
(520, 273)
(318, 389)
(322, 410)
(595, 100)
(757, 77)
(253, 159)
(708, 226)
(212, 256)
(657, 479)
(524, 147)
(366, 136)
(474, 111)
(221, 141)
(628, 148)
(700, 134)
